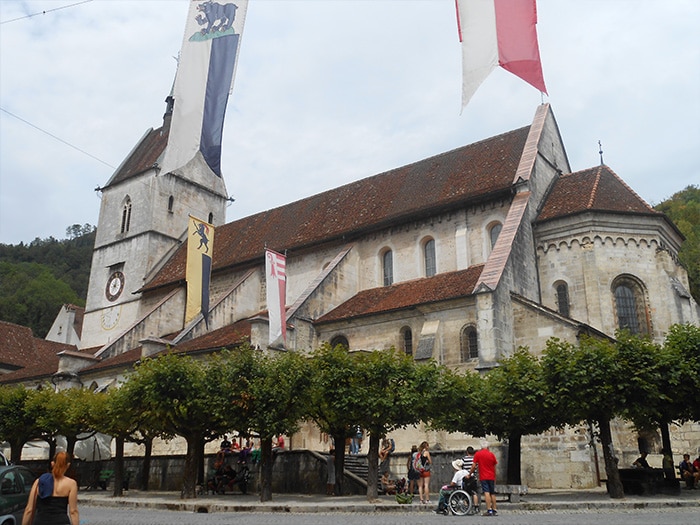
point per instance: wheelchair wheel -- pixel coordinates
(460, 503)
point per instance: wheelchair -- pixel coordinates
(461, 501)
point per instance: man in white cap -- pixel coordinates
(456, 483)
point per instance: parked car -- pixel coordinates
(15, 484)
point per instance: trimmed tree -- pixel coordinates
(589, 383)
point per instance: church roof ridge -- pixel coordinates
(475, 172)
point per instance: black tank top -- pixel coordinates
(52, 511)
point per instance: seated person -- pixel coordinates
(226, 445)
(455, 484)
(688, 472)
(278, 443)
(388, 485)
(641, 461)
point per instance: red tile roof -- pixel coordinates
(143, 157)
(440, 183)
(594, 189)
(408, 294)
(225, 337)
(32, 357)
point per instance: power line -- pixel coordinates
(57, 138)
(44, 12)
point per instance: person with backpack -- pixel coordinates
(423, 464)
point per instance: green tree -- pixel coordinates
(332, 370)
(589, 383)
(263, 393)
(389, 393)
(683, 208)
(457, 402)
(31, 295)
(518, 403)
(17, 426)
(172, 390)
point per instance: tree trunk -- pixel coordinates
(373, 467)
(514, 457)
(146, 465)
(200, 460)
(189, 480)
(339, 440)
(70, 445)
(266, 469)
(16, 446)
(612, 474)
(118, 466)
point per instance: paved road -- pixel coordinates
(117, 516)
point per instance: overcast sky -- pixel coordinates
(332, 91)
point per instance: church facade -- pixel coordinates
(461, 258)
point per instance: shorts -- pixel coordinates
(488, 485)
(425, 474)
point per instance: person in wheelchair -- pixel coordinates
(455, 484)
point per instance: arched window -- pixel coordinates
(494, 232)
(407, 340)
(630, 305)
(388, 268)
(429, 257)
(126, 216)
(340, 340)
(469, 343)
(171, 201)
(211, 218)
(562, 298)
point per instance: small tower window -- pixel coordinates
(126, 216)
(469, 343)
(388, 268)
(429, 257)
(211, 218)
(340, 340)
(494, 232)
(563, 298)
(407, 340)
(630, 305)
(171, 201)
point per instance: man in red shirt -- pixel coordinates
(486, 461)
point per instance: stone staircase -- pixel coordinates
(357, 464)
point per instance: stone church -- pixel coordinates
(461, 257)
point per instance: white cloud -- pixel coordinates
(328, 92)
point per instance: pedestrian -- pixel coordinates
(330, 466)
(422, 465)
(53, 499)
(486, 462)
(384, 453)
(473, 487)
(413, 474)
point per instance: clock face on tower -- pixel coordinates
(115, 286)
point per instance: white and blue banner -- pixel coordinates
(203, 82)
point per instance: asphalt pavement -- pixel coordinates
(535, 500)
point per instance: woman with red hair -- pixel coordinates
(54, 497)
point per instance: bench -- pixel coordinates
(647, 482)
(512, 492)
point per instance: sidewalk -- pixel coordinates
(536, 499)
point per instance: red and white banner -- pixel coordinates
(498, 33)
(276, 281)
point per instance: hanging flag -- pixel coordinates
(498, 33)
(200, 247)
(203, 82)
(276, 281)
